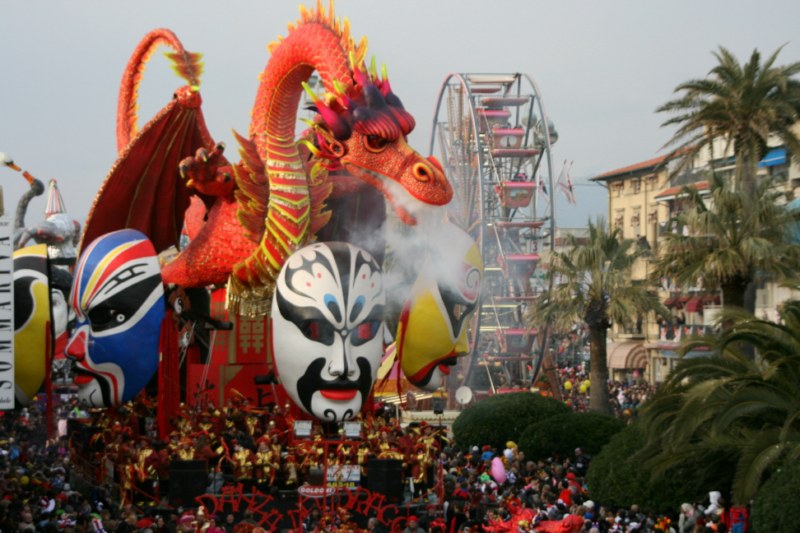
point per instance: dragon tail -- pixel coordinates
(186, 64)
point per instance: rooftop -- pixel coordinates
(636, 167)
(674, 191)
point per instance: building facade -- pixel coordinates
(643, 199)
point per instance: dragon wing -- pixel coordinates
(144, 190)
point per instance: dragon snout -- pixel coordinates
(433, 187)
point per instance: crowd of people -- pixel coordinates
(625, 396)
(447, 487)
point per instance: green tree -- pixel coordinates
(732, 238)
(591, 283)
(743, 104)
(731, 405)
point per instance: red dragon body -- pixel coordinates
(274, 201)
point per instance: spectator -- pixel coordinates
(412, 525)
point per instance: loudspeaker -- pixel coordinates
(187, 480)
(385, 476)
(316, 477)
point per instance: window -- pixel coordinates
(618, 188)
(636, 217)
(619, 218)
(652, 216)
(636, 185)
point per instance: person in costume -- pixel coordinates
(327, 324)
(118, 299)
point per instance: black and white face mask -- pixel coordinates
(327, 328)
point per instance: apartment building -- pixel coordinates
(634, 208)
(643, 198)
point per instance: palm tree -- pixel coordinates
(741, 104)
(732, 238)
(728, 405)
(591, 283)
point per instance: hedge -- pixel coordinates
(562, 433)
(501, 418)
(617, 479)
(776, 506)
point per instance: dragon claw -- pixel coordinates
(208, 172)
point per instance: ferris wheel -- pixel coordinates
(493, 138)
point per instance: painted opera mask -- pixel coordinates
(327, 325)
(32, 317)
(432, 333)
(118, 298)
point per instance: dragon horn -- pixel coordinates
(337, 124)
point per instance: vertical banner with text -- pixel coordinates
(6, 314)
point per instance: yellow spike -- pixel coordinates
(331, 18)
(308, 122)
(308, 144)
(384, 74)
(305, 16)
(361, 50)
(339, 87)
(310, 92)
(351, 58)
(272, 46)
(316, 170)
(320, 10)
(346, 30)
(291, 27)
(328, 98)
(373, 69)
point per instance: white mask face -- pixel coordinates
(327, 328)
(433, 326)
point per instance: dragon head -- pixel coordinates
(363, 130)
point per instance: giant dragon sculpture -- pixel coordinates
(245, 219)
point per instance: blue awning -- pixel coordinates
(693, 354)
(776, 156)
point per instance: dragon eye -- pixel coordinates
(375, 143)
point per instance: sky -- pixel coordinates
(602, 69)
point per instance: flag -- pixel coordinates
(565, 183)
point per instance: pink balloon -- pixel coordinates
(498, 470)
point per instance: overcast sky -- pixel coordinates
(602, 69)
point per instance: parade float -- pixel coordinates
(250, 304)
(236, 319)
